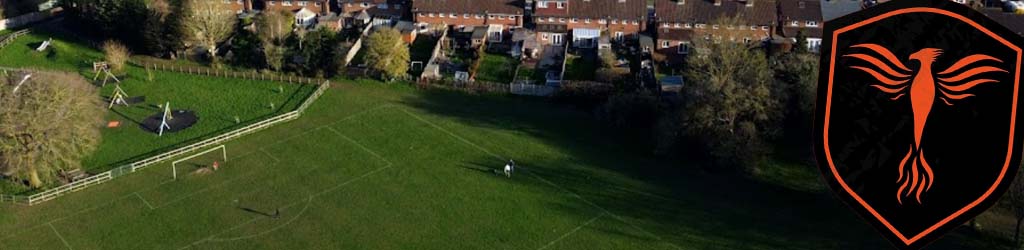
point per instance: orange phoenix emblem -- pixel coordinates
(923, 88)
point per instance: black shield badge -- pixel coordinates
(916, 125)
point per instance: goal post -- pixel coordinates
(174, 165)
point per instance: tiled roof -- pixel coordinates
(800, 10)
(469, 6)
(617, 9)
(705, 11)
(620, 9)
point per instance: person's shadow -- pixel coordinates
(250, 210)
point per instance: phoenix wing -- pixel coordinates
(956, 86)
(892, 75)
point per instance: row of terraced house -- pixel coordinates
(676, 24)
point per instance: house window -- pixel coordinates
(286, 3)
(687, 25)
(496, 36)
(551, 19)
(440, 14)
(664, 44)
(365, 5)
(540, 20)
(764, 27)
(574, 20)
(635, 22)
(664, 25)
(616, 21)
(512, 18)
(684, 48)
(452, 15)
(478, 16)
(586, 20)
(794, 23)
(317, 4)
(812, 23)
(302, 3)
(676, 25)
(753, 27)
(501, 17)
(420, 14)
(560, 5)
(542, 5)
(729, 27)
(561, 20)
(714, 26)
(271, 3)
(602, 21)
(544, 36)
(701, 25)
(465, 16)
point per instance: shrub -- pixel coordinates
(116, 54)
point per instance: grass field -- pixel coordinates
(217, 101)
(388, 167)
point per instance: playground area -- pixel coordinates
(209, 105)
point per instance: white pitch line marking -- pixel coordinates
(59, 236)
(360, 145)
(272, 157)
(571, 231)
(145, 201)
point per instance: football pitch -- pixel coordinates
(390, 167)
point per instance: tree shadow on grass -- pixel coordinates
(673, 201)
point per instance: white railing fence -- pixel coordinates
(135, 166)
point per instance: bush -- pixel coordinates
(116, 54)
(635, 111)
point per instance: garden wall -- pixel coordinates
(356, 46)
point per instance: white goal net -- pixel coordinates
(208, 159)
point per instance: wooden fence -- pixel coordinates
(7, 40)
(206, 71)
(135, 166)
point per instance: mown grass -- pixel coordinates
(217, 101)
(384, 166)
(496, 68)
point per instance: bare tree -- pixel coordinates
(208, 24)
(48, 122)
(731, 103)
(274, 26)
